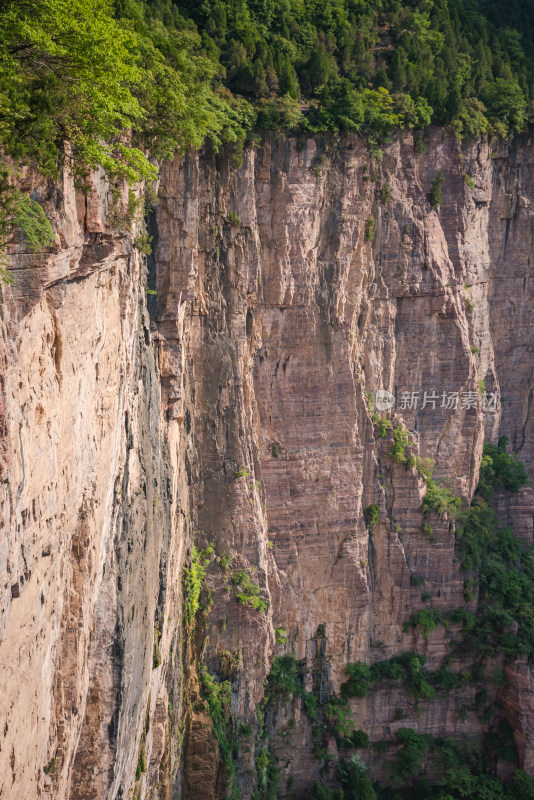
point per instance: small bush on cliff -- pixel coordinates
(156, 653)
(354, 780)
(369, 235)
(360, 739)
(385, 193)
(521, 787)
(143, 243)
(400, 443)
(280, 636)
(283, 680)
(242, 472)
(284, 683)
(372, 514)
(384, 426)
(410, 756)
(21, 219)
(218, 696)
(359, 681)
(419, 145)
(425, 466)
(141, 761)
(50, 768)
(234, 220)
(435, 195)
(339, 717)
(321, 792)
(248, 593)
(267, 775)
(500, 468)
(440, 500)
(428, 530)
(193, 579)
(426, 620)
(407, 668)
(469, 182)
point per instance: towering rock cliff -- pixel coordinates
(236, 413)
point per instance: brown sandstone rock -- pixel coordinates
(239, 415)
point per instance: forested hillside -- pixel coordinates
(131, 82)
(440, 61)
(176, 73)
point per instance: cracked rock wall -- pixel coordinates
(235, 410)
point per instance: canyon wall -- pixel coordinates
(233, 408)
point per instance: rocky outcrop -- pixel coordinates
(237, 412)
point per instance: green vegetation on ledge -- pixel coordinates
(193, 580)
(124, 84)
(501, 569)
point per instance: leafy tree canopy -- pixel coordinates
(122, 83)
(373, 65)
(119, 79)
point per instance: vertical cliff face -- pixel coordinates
(88, 506)
(237, 412)
(297, 317)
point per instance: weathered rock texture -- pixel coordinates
(88, 515)
(239, 415)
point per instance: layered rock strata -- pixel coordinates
(237, 411)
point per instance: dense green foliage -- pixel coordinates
(267, 776)
(504, 567)
(372, 514)
(101, 84)
(371, 65)
(499, 468)
(126, 82)
(440, 500)
(88, 72)
(174, 73)
(218, 696)
(247, 592)
(284, 683)
(495, 563)
(23, 219)
(501, 569)
(435, 196)
(409, 670)
(462, 784)
(354, 782)
(400, 443)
